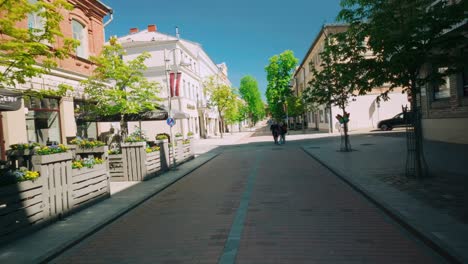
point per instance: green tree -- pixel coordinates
(406, 36)
(236, 112)
(21, 49)
(119, 87)
(279, 73)
(251, 95)
(221, 96)
(341, 77)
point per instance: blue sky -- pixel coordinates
(244, 34)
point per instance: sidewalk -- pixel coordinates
(434, 208)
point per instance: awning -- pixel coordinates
(151, 115)
(176, 114)
(9, 100)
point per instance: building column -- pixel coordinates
(67, 118)
(14, 127)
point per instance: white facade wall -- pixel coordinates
(191, 94)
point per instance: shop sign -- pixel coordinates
(9, 101)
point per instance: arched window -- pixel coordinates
(78, 31)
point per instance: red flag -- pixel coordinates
(179, 75)
(171, 80)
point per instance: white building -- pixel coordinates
(188, 58)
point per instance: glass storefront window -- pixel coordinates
(43, 120)
(465, 81)
(86, 130)
(43, 127)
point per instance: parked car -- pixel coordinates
(400, 120)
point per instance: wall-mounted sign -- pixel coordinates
(9, 101)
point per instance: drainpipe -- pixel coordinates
(111, 12)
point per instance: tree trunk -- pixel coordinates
(221, 127)
(415, 162)
(347, 144)
(123, 128)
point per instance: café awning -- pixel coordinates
(9, 100)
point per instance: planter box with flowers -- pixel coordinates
(83, 146)
(54, 166)
(116, 171)
(20, 155)
(187, 150)
(163, 141)
(23, 207)
(90, 182)
(153, 160)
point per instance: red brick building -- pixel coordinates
(50, 120)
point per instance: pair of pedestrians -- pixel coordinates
(279, 130)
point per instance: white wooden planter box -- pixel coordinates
(153, 163)
(57, 157)
(89, 185)
(22, 208)
(116, 170)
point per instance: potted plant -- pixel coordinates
(50, 154)
(88, 146)
(162, 138)
(190, 134)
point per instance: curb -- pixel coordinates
(74, 241)
(431, 242)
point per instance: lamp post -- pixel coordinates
(169, 98)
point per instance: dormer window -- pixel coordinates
(78, 31)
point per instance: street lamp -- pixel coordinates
(168, 70)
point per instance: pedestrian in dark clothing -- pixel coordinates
(283, 128)
(275, 131)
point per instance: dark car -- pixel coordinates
(399, 120)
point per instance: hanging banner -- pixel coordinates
(9, 101)
(171, 83)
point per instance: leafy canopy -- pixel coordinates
(251, 95)
(279, 73)
(22, 48)
(405, 35)
(119, 87)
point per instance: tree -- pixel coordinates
(341, 77)
(279, 73)
(251, 95)
(21, 49)
(236, 112)
(221, 97)
(119, 87)
(407, 37)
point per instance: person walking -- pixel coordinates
(275, 131)
(283, 128)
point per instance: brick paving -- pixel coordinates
(299, 212)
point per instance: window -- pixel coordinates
(326, 115)
(442, 90)
(35, 22)
(79, 34)
(311, 66)
(185, 89)
(321, 116)
(86, 130)
(42, 120)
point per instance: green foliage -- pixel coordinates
(343, 73)
(295, 106)
(279, 73)
(21, 48)
(137, 136)
(404, 35)
(177, 135)
(114, 152)
(118, 86)
(152, 149)
(236, 112)
(83, 143)
(189, 134)
(48, 150)
(161, 136)
(221, 96)
(251, 95)
(86, 163)
(24, 146)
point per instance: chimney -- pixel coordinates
(133, 30)
(152, 28)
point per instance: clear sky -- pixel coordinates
(244, 34)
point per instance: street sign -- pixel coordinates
(170, 121)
